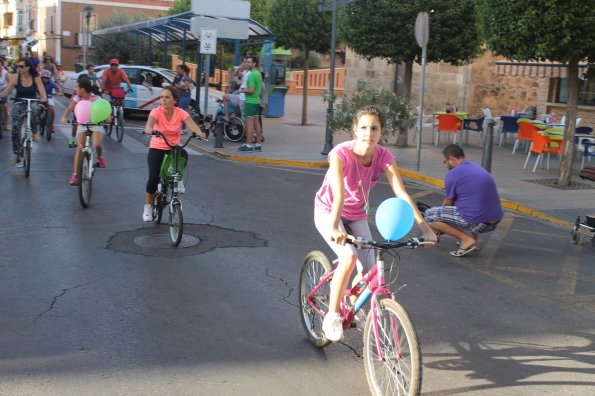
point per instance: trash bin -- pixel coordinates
(276, 105)
(78, 67)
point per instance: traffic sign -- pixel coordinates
(222, 8)
(208, 41)
(226, 29)
(422, 29)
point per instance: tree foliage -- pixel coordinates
(298, 24)
(180, 6)
(385, 29)
(560, 31)
(120, 45)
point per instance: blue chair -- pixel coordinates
(509, 125)
(583, 130)
(475, 125)
(588, 151)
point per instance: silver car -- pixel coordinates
(145, 97)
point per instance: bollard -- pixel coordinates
(219, 133)
(486, 159)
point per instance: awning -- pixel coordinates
(171, 28)
(534, 69)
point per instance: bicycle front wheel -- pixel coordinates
(85, 179)
(234, 130)
(315, 266)
(120, 125)
(48, 121)
(393, 366)
(176, 223)
(27, 157)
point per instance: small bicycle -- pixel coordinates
(45, 121)
(392, 355)
(167, 192)
(27, 135)
(86, 167)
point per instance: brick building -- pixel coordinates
(63, 24)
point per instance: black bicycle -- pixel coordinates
(167, 190)
(45, 121)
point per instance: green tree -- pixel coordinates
(179, 7)
(560, 31)
(298, 24)
(385, 29)
(120, 45)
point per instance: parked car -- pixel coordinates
(143, 97)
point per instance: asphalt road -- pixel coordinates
(94, 301)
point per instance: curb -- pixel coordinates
(508, 204)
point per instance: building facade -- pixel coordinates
(18, 26)
(66, 26)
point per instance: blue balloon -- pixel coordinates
(394, 219)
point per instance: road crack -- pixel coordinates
(286, 283)
(62, 293)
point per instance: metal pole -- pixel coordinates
(421, 104)
(486, 159)
(206, 98)
(328, 140)
(218, 133)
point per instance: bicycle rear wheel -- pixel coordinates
(176, 223)
(234, 130)
(85, 186)
(399, 370)
(120, 124)
(27, 157)
(315, 266)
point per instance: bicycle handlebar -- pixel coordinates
(192, 136)
(26, 100)
(412, 243)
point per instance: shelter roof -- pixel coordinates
(171, 28)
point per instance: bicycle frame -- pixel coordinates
(375, 285)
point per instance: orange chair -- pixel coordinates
(543, 145)
(448, 123)
(525, 133)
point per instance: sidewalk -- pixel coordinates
(289, 143)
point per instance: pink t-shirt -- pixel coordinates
(171, 129)
(356, 183)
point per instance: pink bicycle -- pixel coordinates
(392, 355)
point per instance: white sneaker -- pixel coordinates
(148, 213)
(181, 187)
(332, 326)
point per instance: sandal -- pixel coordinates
(463, 252)
(459, 245)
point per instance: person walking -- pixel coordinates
(184, 85)
(471, 205)
(4, 80)
(252, 106)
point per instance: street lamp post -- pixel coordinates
(87, 12)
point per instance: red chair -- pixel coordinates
(543, 145)
(448, 123)
(525, 132)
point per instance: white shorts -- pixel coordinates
(356, 228)
(95, 128)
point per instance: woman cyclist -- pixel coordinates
(28, 85)
(167, 119)
(83, 92)
(341, 204)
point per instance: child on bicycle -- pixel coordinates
(83, 92)
(342, 204)
(167, 119)
(51, 89)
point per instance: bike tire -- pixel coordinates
(48, 125)
(314, 267)
(400, 371)
(27, 157)
(120, 125)
(176, 223)
(234, 131)
(157, 208)
(85, 186)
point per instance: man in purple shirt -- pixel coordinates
(471, 205)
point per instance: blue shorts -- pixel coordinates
(451, 215)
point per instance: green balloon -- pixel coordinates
(100, 110)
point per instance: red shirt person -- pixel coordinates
(112, 78)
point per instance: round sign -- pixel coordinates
(422, 29)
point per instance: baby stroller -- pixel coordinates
(588, 173)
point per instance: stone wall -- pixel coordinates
(378, 72)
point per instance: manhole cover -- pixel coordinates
(163, 241)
